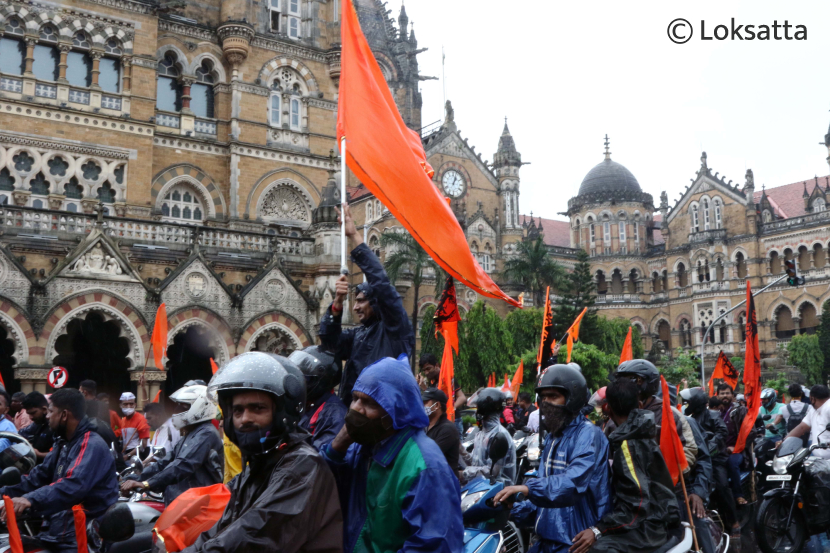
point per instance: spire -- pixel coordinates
(805, 194)
(827, 184)
(403, 22)
(607, 151)
(507, 153)
(412, 38)
(506, 131)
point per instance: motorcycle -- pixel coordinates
(146, 506)
(469, 438)
(527, 455)
(800, 508)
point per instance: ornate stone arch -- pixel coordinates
(678, 261)
(680, 317)
(219, 331)
(285, 201)
(181, 58)
(778, 304)
(101, 36)
(733, 256)
(279, 175)
(270, 68)
(20, 332)
(387, 66)
(215, 339)
(655, 322)
(640, 324)
(273, 319)
(202, 184)
(217, 65)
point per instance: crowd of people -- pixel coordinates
(339, 447)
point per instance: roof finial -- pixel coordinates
(607, 151)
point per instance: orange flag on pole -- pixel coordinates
(157, 398)
(724, 370)
(546, 343)
(158, 341)
(15, 543)
(670, 443)
(518, 378)
(573, 332)
(506, 387)
(491, 382)
(446, 320)
(752, 372)
(80, 528)
(213, 368)
(627, 351)
(389, 159)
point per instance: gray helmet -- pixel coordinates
(569, 381)
(645, 370)
(769, 397)
(318, 367)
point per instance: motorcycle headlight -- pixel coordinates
(533, 453)
(470, 499)
(779, 465)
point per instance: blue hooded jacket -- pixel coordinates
(400, 495)
(573, 490)
(324, 419)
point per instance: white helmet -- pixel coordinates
(201, 408)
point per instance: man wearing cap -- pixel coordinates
(441, 430)
(396, 490)
(384, 329)
(135, 431)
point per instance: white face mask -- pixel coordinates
(128, 412)
(430, 409)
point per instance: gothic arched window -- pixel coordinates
(168, 88)
(285, 205)
(718, 214)
(705, 214)
(695, 219)
(201, 93)
(182, 205)
(13, 49)
(79, 62)
(47, 55)
(109, 78)
(819, 204)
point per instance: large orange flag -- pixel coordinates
(518, 378)
(670, 443)
(752, 372)
(546, 342)
(446, 320)
(573, 332)
(158, 341)
(15, 543)
(389, 159)
(627, 351)
(725, 371)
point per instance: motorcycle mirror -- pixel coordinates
(498, 447)
(117, 523)
(10, 476)
(827, 427)
(138, 467)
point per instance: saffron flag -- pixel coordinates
(573, 332)
(491, 382)
(193, 512)
(80, 528)
(389, 159)
(15, 543)
(724, 370)
(446, 322)
(752, 372)
(213, 368)
(518, 378)
(158, 341)
(547, 342)
(506, 387)
(158, 396)
(627, 351)
(670, 444)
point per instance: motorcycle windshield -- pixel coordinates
(790, 446)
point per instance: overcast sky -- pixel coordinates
(567, 73)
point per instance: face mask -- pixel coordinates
(554, 417)
(128, 412)
(253, 442)
(364, 430)
(431, 409)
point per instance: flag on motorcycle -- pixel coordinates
(547, 342)
(389, 159)
(15, 543)
(724, 370)
(627, 350)
(158, 340)
(670, 444)
(752, 372)
(446, 323)
(190, 514)
(516, 383)
(80, 528)
(573, 332)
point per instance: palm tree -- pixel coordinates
(533, 268)
(407, 259)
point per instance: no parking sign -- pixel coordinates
(58, 377)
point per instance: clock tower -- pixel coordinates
(506, 164)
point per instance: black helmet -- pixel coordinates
(319, 369)
(264, 372)
(695, 399)
(570, 381)
(489, 401)
(645, 370)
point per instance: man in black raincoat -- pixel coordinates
(285, 499)
(384, 329)
(644, 506)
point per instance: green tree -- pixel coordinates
(577, 293)
(534, 269)
(806, 355)
(824, 340)
(780, 385)
(610, 336)
(682, 365)
(484, 346)
(525, 325)
(738, 363)
(407, 259)
(429, 342)
(596, 365)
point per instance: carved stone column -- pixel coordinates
(304, 119)
(30, 57)
(187, 82)
(62, 65)
(96, 69)
(127, 66)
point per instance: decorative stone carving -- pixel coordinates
(96, 262)
(196, 284)
(471, 296)
(275, 290)
(151, 375)
(284, 204)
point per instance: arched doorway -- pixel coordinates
(664, 334)
(8, 361)
(93, 348)
(188, 358)
(275, 340)
(809, 318)
(784, 327)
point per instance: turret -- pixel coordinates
(506, 164)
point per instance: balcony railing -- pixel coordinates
(618, 298)
(46, 91)
(111, 102)
(205, 127)
(806, 220)
(165, 120)
(707, 235)
(78, 96)
(11, 85)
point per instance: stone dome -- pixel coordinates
(609, 176)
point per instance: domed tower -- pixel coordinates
(611, 215)
(506, 164)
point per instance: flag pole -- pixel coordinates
(343, 267)
(688, 508)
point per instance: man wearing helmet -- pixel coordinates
(489, 404)
(324, 412)
(775, 427)
(384, 331)
(397, 491)
(197, 458)
(285, 498)
(573, 491)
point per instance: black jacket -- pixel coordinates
(445, 434)
(522, 415)
(197, 460)
(388, 334)
(714, 431)
(644, 504)
(39, 435)
(286, 502)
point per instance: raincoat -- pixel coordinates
(655, 405)
(400, 495)
(644, 506)
(324, 419)
(388, 334)
(283, 501)
(480, 465)
(80, 470)
(573, 491)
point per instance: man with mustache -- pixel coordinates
(573, 491)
